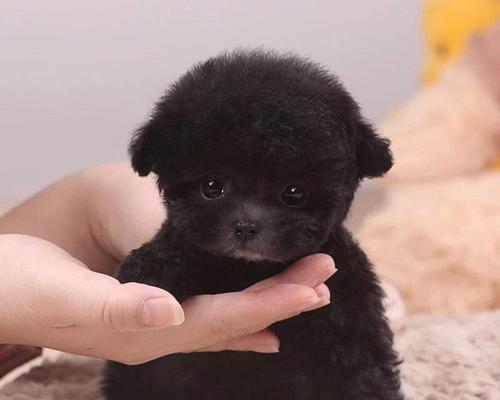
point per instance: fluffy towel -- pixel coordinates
(439, 243)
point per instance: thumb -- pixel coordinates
(49, 288)
(94, 300)
(135, 306)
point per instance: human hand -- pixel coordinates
(49, 298)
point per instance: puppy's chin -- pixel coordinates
(247, 255)
(252, 255)
(243, 253)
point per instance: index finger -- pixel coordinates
(310, 271)
(216, 318)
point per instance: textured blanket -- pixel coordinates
(445, 358)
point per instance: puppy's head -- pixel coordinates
(258, 155)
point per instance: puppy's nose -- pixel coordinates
(245, 230)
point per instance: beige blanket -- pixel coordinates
(445, 358)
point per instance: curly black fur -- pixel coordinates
(259, 121)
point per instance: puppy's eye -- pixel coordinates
(294, 196)
(212, 188)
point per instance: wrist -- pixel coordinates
(125, 210)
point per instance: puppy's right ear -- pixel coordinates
(373, 154)
(144, 148)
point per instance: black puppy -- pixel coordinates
(258, 156)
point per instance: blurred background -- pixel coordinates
(79, 76)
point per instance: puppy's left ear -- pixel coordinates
(373, 155)
(144, 148)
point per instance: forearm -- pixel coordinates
(59, 214)
(98, 215)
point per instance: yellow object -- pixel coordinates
(448, 24)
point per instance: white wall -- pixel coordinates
(76, 77)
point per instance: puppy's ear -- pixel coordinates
(373, 155)
(144, 148)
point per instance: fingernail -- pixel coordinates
(266, 348)
(311, 302)
(323, 302)
(320, 303)
(306, 305)
(162, 312)
(331, 267)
